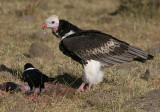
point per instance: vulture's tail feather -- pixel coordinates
(150, 57)
(141, 55)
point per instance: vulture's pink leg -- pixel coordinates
(81, 88)
(89, 86)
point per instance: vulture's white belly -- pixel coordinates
(93, 72)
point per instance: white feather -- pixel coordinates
(29, 69)
(67, 34)
(93, 72)
(52, 18)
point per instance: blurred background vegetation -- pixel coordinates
(136, 8)
(146, 8)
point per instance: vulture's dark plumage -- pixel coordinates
(93, 49)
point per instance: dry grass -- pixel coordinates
(145, 8)
(16, 38)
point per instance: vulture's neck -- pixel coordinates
(65, 29)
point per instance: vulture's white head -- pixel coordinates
(51, 22)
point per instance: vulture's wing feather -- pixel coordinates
(101, 47)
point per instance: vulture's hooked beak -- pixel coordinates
(44, 25)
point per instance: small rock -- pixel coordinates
(152, 73)
(41, 35)
(28, 18)
(155, 49)
(40, 50)
(149, 101)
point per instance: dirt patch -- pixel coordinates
(149, 102)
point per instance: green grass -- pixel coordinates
(17, 36)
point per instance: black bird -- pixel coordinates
(93, 49)
(34, 77)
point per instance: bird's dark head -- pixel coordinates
(60, 28)
(28, 65)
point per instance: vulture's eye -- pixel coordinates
(52, 22)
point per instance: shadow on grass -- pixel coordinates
(14, 72)
(69, 80)
(74, 82)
